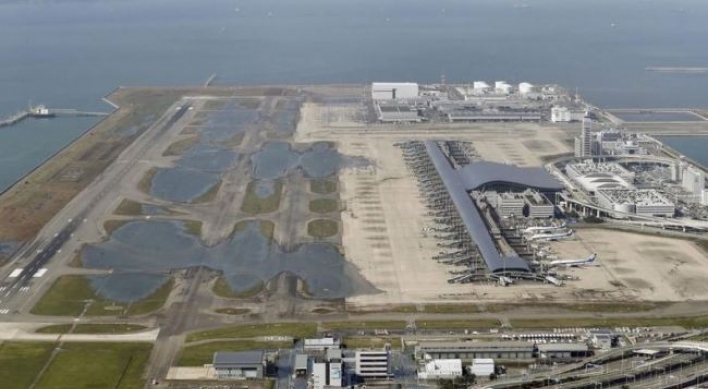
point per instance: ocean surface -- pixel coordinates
(695, 147)
(70, 53)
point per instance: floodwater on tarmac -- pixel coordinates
(207, 158)
(264, 188)
(230, 120)
(321, 160)
(126, 287)
(153, 248)
(182, 185)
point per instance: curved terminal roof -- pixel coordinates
(478, 174)
(472, 219)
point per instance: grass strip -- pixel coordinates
(295, 330)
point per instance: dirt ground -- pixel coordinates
(641, 266)
(383, 220)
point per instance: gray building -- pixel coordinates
(538, 205)
(239, 365)
(467, 351)
(564, 351)
(510, 204)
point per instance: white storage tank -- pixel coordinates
(525, 88)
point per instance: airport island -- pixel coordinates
(508, 236)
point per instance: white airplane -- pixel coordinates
(533, 230)
(574, 262)
(550, 237)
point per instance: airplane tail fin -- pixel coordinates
(592, 258)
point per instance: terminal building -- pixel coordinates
(488, 176)
(529, 203)
(640, 202)
(468, 351)
(594, 176)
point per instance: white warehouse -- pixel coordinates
(394, 90)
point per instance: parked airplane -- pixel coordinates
(574, 262)
(550, 237)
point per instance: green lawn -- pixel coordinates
(296, 330)
(207, 196)
(372, 342)
(233, 311)
(267, 227)
(193, 227)
(69, 294)
(687, 322)
(365, 325)
(324, 205)
(322, 228)
(145, 183)
(202, 354)
(129, 208)
(254, 205)
(457, 324)
(97, 366)
(20, 362)
(323, 186)
(91, 329)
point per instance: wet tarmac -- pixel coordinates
(182, 185)
(142, 252)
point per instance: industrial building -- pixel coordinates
(392, 113)
(493, 115)
(601, 339)
(441, 369)
(394, 90)
(560, 115)
(563, 351)
(327, 371)
(300, 365)
(372, 363)
(321, 344)
(482, 367)
(239, 365)
(640, 202)
(468, 351)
